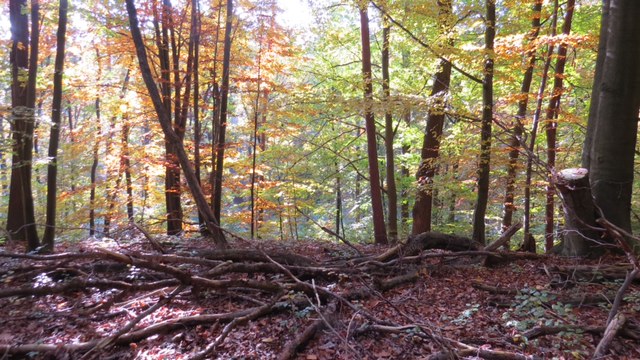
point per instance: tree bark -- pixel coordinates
(552, 124)
(518, 127)
(423, 206)
(580, 236)
(614, 123)
(380, 233)
(24, 59)
(165, 122)
(389, 135)
(528, 243)
(486, 123)
(54, 139)
(220, 143)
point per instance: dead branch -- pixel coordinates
(257, 312)
(610, 333)
(292, 347)
(504, 238)
(154, 243)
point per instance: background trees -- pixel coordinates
(299, 91)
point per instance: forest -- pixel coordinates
(319, 179)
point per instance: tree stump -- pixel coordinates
(579, 212)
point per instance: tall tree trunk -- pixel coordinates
(126, 166)
(173, 189)
(54, 140)
(595, 93)
(256, 116)
(24, 60)
(380, 233)
(518, 127)
(552, 124)
(529, 243)
(224, 95)
(165, 122)
(423, 206)
(389, 135)
(94, 163)
(615, 121)
(215, 113)
(197, 127)
(486, 123)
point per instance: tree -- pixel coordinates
(380, 233)
(24, 64)
(56, 107)
(171, 136)
(222, 128)
(551, 124)
(484, 161)
(423, 207)
(613, 124)
(389, 135)
(518, 127)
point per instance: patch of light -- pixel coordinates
(296, 13)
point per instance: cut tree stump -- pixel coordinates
(581, 238)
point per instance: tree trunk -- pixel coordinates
(614, 123)
(528, 243)
(423, 206)
(580, 238)
(486, 122)
(552, 124)
(224, 94)
(24, 60)
(595, 95)
(518, 127)
(165, 122)
(380, 233)
(54, 140)
(389, 135)
(94, 164)
(196, 29)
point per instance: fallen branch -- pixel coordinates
(292, 347)
(610, 333)
(257, 312)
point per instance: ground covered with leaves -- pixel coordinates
(172, 298)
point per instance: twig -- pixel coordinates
(257, 312)
(113, 338)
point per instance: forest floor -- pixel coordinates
(125, 300)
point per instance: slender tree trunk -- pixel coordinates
(24, 61)
(126, 165)
(54, 140)
(552, 124)
(215, 113)
(165, 122)
(256, 116)
(518, 127)
(224, 95)
(380, 233)
(94, 164)
(389, 135)
(486, 123)
(173, 190)
(529, 243)
(197, 128)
